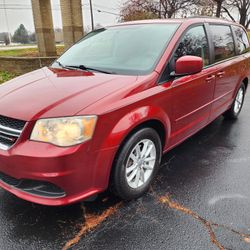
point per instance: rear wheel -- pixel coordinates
(237, 105)
(137, 164)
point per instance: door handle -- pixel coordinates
(210, 78)
(221, 74)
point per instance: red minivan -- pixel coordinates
(102, 114)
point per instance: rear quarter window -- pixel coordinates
(223, 42)
(242, 42)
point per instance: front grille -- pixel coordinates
(11, 123)
(10, 131)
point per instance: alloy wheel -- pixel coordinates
(140, 163)
(239, 101)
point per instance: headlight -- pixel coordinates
(64, 132)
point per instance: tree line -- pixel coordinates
(21, 35)
(235, 10)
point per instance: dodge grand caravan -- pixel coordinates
(103, 113)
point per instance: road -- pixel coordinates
(200, 200)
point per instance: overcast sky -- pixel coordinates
(21, 13)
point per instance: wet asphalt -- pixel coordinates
(200, 200)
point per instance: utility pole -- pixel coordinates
(7, 23)
(92, 15)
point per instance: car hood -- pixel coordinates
(54, 92)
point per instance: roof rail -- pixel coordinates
(210, 17)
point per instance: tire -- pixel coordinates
(129, 163)
(234, 111)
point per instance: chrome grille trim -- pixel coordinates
(3, 147)
(9, 135)
(10, 131)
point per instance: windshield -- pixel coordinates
(129, 50)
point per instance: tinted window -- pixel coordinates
(223, 42)
(130, 49)
(242, 42)
(194, 43)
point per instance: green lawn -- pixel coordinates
(29, 52)
(249, 34)
(5, 76)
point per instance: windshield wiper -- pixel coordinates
(60, 64)
(82, 67)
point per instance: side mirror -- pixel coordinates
(188, 65)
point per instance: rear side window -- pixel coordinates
(223, 42)
(194, 43)
(242, 42)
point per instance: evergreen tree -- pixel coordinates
(21, 35)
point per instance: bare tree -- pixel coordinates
(136, 10)
(155, 8)
(169, 8)
(218, 7)
(147, 9)
(202, 8)
(242, 7)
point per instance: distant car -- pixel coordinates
(102, 114)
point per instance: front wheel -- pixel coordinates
(137, 164)
(237, 105)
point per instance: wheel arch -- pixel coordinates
(150, 116)
(147, 116)
(155, 124)
(245, 81)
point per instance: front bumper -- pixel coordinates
(78, 171)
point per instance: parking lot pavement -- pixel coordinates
(200, 200)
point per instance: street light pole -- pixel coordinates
(108, 12)
(92, 15)
(7, 23)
